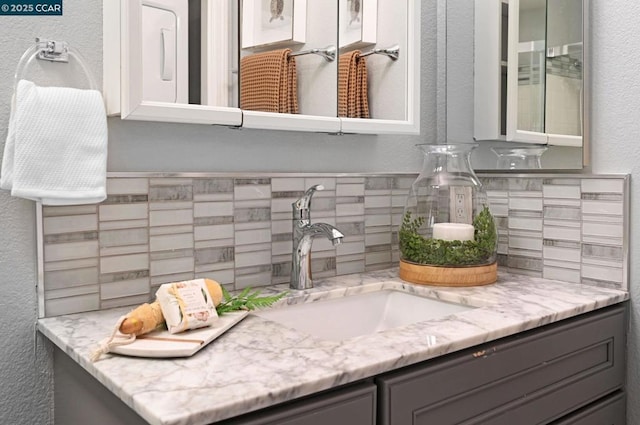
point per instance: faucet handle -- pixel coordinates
(302, 206)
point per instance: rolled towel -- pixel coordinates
(56, 148)
(353, 97)
(269, 82)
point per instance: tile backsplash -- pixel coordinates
(155, 228)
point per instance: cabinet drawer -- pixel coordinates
(609, 411)
(354, 405)
(530, 378)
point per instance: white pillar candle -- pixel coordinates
(453, 231)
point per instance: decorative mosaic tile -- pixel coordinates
(153, 229)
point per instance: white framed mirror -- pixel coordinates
(545, 78)
(476, 108)
(146, 56)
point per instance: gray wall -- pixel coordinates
(26, 392)
(26, 370)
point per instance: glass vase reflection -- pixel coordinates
(519, 158)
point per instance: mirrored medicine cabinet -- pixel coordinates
(530, 80)
(208, 62)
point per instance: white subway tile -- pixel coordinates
(123, 212)
(528, 204)
(122, 263)
(563, 254)
(350, 189)
(254, 258)
(281, 247)
(378, 239)
(61, 306)
(349, 209)
(602, 185)
(253, 280)
(69, 224)
(561, 233)
(377, 220)
(608, 274)
(171, 242)
(377, 257)
(212, 209)
(170, 218)
(350, 267)
(171, 265)
(247, 237)
(287, 184)
(127, 186)
(602, 229)
(377, 201)
(561, 191)
(216, 231)
(348, 248)
(69, 278)
(564, 275)
(525, 223)
(70, 291)
(124, 288)
(525, 243)
(252, 191)
(602, 207)
(329, 183)
(70, 251)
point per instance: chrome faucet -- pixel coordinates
(303, 234)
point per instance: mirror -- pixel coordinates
(544, 77)
(202, 61)
(549, 81)
(379, 66)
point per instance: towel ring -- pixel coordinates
(53, 51)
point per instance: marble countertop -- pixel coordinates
(259, 363)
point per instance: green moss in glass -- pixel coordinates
(416, 248)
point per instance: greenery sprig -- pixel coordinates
(245, 300)
(418, 249)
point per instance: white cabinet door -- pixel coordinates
(145, 64)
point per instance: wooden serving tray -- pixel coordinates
(448, 276)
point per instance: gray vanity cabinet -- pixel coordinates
(353, 405)
(608, 411)
(536, 377)
(568, 373)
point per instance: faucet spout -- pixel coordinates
(303, 234)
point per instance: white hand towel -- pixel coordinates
(56, 149)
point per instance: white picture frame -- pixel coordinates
(358, 23)
(272, 22)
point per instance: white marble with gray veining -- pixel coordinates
(259, 363)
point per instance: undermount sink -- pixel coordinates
(361, 314)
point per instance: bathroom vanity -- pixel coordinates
(529, 350)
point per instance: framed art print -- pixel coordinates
(358, 22)
(267, 22)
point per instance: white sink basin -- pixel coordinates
(361, 314)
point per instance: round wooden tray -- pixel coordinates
(448, 276)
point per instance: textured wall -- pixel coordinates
(25, 373)
(615, 128)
